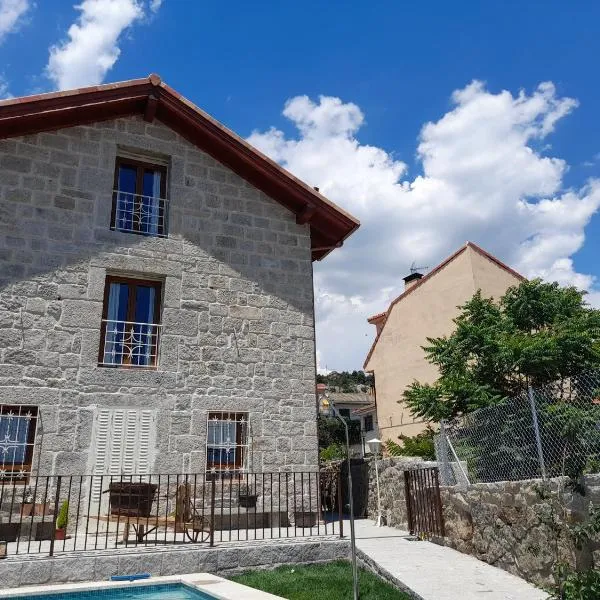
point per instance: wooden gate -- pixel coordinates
(424, 503)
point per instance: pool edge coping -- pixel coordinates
(202, 582)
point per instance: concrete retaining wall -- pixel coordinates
(100, 565)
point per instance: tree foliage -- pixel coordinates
(537, 333)
(330, 431)
(346, 381)
(417, 445)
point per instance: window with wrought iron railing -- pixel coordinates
(139, 198)
(131, 323)
(17, 440)
(227, 445)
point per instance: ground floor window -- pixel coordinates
(368, 423)
(227, 445)
(17, 440)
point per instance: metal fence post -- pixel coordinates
(55, 515)
(212, 512)
(536, 428)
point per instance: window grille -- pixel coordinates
(227, 445)
(130, 327)
(17, 440)
(139, 198)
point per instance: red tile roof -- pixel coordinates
(152, 98)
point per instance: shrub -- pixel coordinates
(63, 516)
(332, 452)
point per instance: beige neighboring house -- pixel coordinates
(425, 309)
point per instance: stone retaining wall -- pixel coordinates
(506, 524)
(509, 524)
(391, 485)
(100, 565)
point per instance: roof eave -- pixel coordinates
(329, 224)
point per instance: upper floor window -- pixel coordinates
(17, 439)
(139, 198)
(130, 323)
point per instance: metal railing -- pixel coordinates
(54, 514)
(547, 431)
(136, 213)
(125, 343)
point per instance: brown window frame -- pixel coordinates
(140, 166)
(13, 469)
(130, 281)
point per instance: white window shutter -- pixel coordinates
(130, 442)
(123, 444)
(101, 442)
(145, 441)
(116, 442)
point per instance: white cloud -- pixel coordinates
(92, 44)
(4, 92)
(11, 14)
(321, 370)
(483, 179)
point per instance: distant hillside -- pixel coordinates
(346, 381)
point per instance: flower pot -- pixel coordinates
(247, 500)
(131, 499)
(60, 534)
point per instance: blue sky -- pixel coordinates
(394, 66)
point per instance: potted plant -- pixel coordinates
(246, 498)
(61, 521)
(27, 503)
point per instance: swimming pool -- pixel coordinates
(164, 591)
(194, 586)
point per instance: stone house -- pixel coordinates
(425, 309)
(156, 298)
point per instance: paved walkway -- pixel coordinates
(434, 572)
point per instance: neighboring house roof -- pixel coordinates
(376, 317)
(150, 97)
(365, 410)
(425, 279)
(350, 398)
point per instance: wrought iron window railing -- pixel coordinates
(136, 213)
(227, 448)
(126, 343)
(17, 441)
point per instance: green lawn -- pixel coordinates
(331, 581)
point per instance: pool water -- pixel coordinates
(171, 591)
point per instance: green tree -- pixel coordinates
(417, 445)
(538, 333)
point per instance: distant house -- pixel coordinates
(351, 405)
(425, 309)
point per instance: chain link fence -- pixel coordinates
(544, 432)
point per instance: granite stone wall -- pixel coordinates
(237, 309)
(223, 560)
(513, 525)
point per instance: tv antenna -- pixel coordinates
(414, 269)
